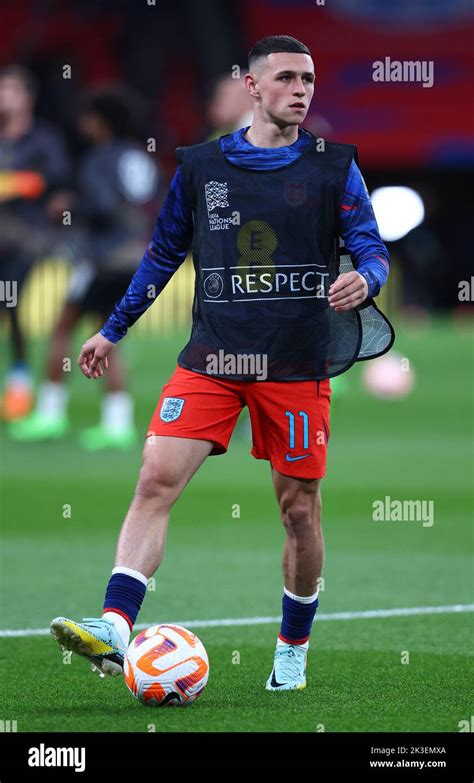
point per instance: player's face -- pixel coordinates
(229, 102)
(284, 83)
(92, 127)
(14, 97)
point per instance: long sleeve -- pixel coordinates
(359, 230)
(164, 255)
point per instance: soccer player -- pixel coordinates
(272, 322)
(117, 184)
(34, 175)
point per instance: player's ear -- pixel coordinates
(250, 83)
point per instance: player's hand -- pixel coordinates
(93, 356)
(349, 290)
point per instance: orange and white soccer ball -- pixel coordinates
(166, 665)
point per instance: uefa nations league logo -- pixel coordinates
(216, 195)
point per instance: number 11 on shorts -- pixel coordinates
(291, 422)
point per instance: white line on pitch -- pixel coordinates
(233, 621)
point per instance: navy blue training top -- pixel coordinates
(173, 232)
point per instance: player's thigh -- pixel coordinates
(169, 463)
(69, 317)
(80, 283)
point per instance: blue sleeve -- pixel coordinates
(359, 230)
(166, 252)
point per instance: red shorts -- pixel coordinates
(290, 419)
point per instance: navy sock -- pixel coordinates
(124, 595)
(297, 619)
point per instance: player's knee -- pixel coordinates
(301, 514)
(157, 481)
(296, 516)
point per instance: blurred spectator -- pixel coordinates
(34, 169)
(229, 107)
(118, 184)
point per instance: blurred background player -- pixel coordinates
(34, 169)
(229, 107)
(117, 189)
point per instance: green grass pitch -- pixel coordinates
(217, 566)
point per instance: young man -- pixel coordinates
(34, 175)
(263, 207)
(117, 185)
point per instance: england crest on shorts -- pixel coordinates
(171, 409)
